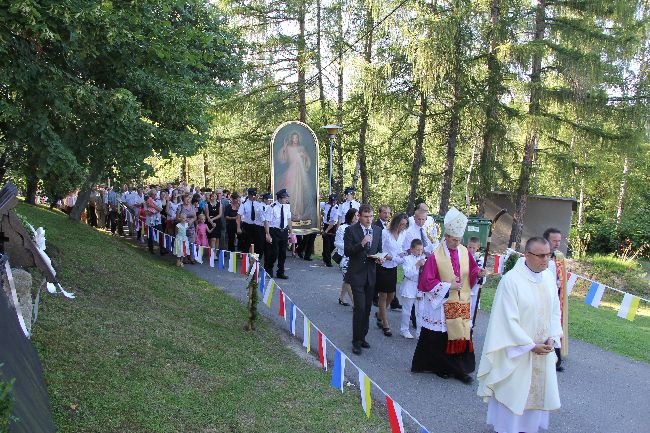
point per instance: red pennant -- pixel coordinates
(392, 416)
(497, 259)
(321, 353)
(243, 267)
(281, 310)
(184, 249)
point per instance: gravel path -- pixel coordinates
(601, 392)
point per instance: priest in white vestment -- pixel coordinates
(517, 374)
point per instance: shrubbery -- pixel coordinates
(628, 239)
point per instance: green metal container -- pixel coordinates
(479, 227)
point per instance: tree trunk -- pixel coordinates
(339, 104)
(3, 167)
(492, 129)
(417, 155)
(31, 187)
(468, 180)
(530, 147)
(206, 173)
(581, 201)
(452, 141)
(184, 170)
(621, 192)
(84, 194)
(319, 65)
(365, 112)
(302, 56)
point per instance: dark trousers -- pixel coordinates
(305, 246)
(328, 248)
(362, 296)
(112, 221)
(259, 241)
(558, 352)
(276, 250)
(249, 233)
(231, 233)
(92, 215)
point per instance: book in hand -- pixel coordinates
(377, 255)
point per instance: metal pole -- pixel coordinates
(331, 142)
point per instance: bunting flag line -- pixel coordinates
(244, 264)
(498, 264)
(628, 307)
(211, 257)
(595, 294)
(161, 238)
(268, 296)
(394, 416)
(292, 319)
(185, 252)
(281, 311)
(232, 262)
(338, 371)
(252, 268)
(199, 257)
(322, 350)
(306, 333)
(221, 259)
(571, 282)
(364, 385)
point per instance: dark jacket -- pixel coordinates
(361, 269)
(378, 223)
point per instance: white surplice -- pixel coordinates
(519, 385)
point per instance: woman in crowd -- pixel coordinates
(213, 217)
(351, 217)
(172, 211)
(189, 210)
(392, 238)
(231, 220)
(164, 200)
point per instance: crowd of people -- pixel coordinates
(441, 279)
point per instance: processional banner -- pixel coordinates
(294, 167)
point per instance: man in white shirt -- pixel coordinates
(418, 230)
(349, 203)
(430, 225)
(277, 228)
(330, 219)
(247, 212)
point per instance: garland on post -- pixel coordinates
(253, 294)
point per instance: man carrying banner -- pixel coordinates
(517, 376)
(557, 266)
(444, 288)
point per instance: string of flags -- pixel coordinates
(289, 312)
(629, 305)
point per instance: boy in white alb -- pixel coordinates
(409, 288)
(473, 245)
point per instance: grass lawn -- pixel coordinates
(147, 347)
(599, 326)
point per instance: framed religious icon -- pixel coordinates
(294, 167)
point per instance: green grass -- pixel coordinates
(147, 347)
(599, 326)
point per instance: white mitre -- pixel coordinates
(455, 223)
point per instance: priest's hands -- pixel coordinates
(482, 272)
(455, 285)
(542, 349)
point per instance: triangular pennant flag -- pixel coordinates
(292, 319)
(211, 257)
(199, 257)
(252, 268)
(394, 416)
(338, 371)
(571, 282)
(268, 296)
(364, 385)
(322, 350)
(281, 311)
(497, 259)
(262, 284)
(221, 265)
(185, 252)
(628, 307)
(595, 294)
(232, 262)
(161, 239)
(306, 333)
(244, 264)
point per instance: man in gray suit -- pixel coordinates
(361, 240)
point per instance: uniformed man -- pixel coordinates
(349, 202)
(557, 266)
(247, 215)
(265, 202)
(330, 219)
(277, 228)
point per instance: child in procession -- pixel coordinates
(409, 287)
(181, 238)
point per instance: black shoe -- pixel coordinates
(329, 265)
(299, 254)
(395, 306)
(365, 344)
(387, 332)
(443, 375)
(356, 350)
(309, 259)
(282, 277)
(345, 304)
(559, 368)
(465, 378)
